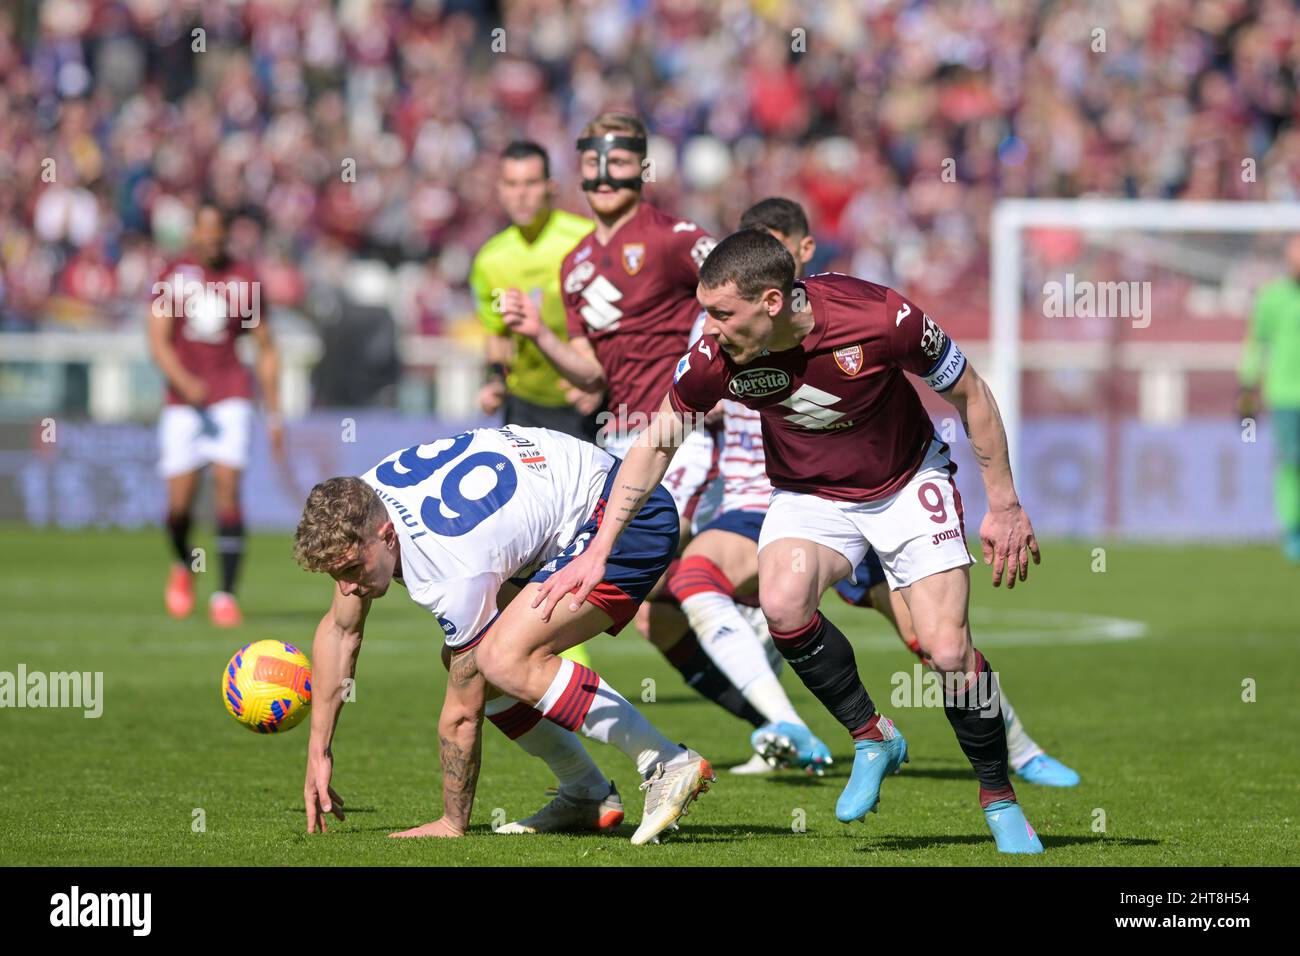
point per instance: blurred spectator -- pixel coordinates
(363, 128)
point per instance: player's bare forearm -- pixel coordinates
(988, 437)
(333, 661)
(460, 738)
(580, 370)
(642, 470)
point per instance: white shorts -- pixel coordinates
(693, 466)
(916, 532)
(189, 438)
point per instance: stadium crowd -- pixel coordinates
(346, 130)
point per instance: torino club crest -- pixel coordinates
(633, 257)
(849, 359)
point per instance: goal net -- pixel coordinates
(1116, 330)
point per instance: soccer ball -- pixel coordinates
(267, 686)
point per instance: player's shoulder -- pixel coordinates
(853, 307)
(568, 225)
(580, 253)
(495, 249)
(839, 287)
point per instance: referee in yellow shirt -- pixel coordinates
(527, 256)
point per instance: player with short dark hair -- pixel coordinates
(723, 558)
(855, 463)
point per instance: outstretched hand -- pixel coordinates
(1009, 540)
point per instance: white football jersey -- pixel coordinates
(745, 486)
(481, 507)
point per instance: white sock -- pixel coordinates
(561, 750)
(731, 643)
(758, 621)
(1021, 748)
(609, 718)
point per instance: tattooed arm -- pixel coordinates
(1006, 532)
(459, 739)
(640, 473)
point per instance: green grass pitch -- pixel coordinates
(1133, 676)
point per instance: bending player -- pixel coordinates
(455, 520)
(854, 459)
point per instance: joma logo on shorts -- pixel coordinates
(758, 382)
(946, 535)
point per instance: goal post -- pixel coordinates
(1193, 268)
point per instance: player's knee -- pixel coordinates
(946, 645)
(786, 604)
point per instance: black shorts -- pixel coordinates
(564, 418)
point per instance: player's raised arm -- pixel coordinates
(333, 659)
(1006, 533)
(640, 472)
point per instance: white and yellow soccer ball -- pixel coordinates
(267, 686)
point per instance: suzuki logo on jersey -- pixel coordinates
(812, 409)
(902, 313)
(633, 257)
(849, 359)
(759, 382)
(600, 313)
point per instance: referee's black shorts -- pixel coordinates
(565, 418)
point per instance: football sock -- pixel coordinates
(1021, 748)
(578, 699)
(974, 712)
(558, 748)
(823, 658)
(230, 545)
(704, 677)
(738, 652)
(178, 529)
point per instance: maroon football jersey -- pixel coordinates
(634, 300)
(840, 419)
(206, 322)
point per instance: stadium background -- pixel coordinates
(367, 277)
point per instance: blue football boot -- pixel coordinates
(873, 760)
(1048, 772)
(1010, 828)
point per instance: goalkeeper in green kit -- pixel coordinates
(1272, 352)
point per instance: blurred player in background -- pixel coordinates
(629, 293)
(784, 219)
(1272, 352)
(526, 257)
(203, 302)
